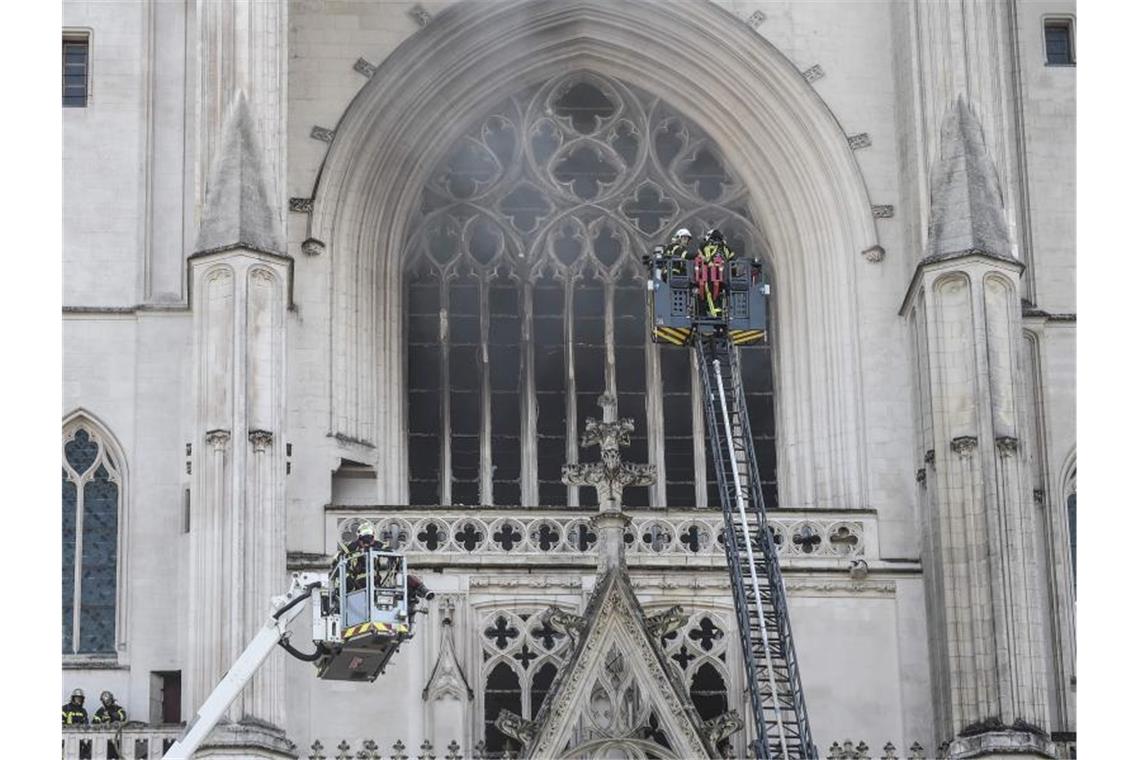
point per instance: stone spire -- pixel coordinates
(609, 477)
(238, 212)
(967, 213)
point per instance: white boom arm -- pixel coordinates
(285, 609)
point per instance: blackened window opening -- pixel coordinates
(526, 299)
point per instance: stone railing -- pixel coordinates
(498, 535)
(368, 749)
(131, 741)
(849, 750)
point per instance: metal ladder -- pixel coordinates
(774, 688)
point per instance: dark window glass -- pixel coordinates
(540, 687)
(69, 501)
(1059, 42)
(708, 692)
(502, 693)
(75, 58)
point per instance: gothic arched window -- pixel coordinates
(91, 494)
(522, 654)
(526, 298)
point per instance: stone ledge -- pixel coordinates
(1001, 742)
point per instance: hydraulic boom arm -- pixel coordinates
(285, 609)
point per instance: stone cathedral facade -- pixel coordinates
(337, 261)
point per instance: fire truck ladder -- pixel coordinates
(774, 689)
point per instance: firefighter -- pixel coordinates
(73, 712)
(356, 568)
(109, 712)
(714, 255)
(678, 250)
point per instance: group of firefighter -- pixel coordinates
(108, 714)
(710, 264)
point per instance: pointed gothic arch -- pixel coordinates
(808, 196)
(95, 492)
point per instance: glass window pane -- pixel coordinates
(69, 504)
(100, 545)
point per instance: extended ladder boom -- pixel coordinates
(775, 692)
(285, 609)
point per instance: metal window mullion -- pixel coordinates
(571, 388)
(445, 396)
(76, 591)
(486, 466)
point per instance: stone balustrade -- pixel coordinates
(132, 740)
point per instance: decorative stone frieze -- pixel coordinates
(324, 134)
(495, 531)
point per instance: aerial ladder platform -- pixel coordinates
(679, 291)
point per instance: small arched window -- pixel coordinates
(91, 495)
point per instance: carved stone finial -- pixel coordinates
(964, 445)
(516, 727)
(666, 622)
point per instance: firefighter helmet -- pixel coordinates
(683, 232)
(714, 236)
(77, 693)
(106, 697)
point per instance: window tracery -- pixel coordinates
(90, 519)
(522, 653)
(699, 652)
(526, 298)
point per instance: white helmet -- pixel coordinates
(683, 232)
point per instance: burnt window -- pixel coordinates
(76, 64)
(526, 298)
(1059, 42)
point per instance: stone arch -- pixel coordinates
(807, 195)
(72, 422)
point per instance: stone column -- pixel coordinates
(239, 284)
(983, 594)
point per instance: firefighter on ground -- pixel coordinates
(714, 255)
(73, 712)
(109, 712)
